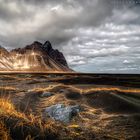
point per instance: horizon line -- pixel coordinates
(64, 73)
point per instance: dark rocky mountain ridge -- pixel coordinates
(33, 57)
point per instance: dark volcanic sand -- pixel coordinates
(111, 103)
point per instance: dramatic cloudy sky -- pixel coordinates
(94, 35)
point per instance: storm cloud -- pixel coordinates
(93, 34)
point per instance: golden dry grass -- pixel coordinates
(7, 88)
(33, 127)
(86, 126)
(7, 108)
(95, 89)
(4, 133)
(9, 113)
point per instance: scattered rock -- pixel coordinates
(60, 112)
(46, 94)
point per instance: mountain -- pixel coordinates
(33, 57)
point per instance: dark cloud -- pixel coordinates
(14, 10)
(53, 20)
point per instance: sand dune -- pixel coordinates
(107, 110)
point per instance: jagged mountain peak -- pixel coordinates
(36, 57)
(47, 46)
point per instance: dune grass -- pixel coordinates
(16, 125)
(23, 126)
